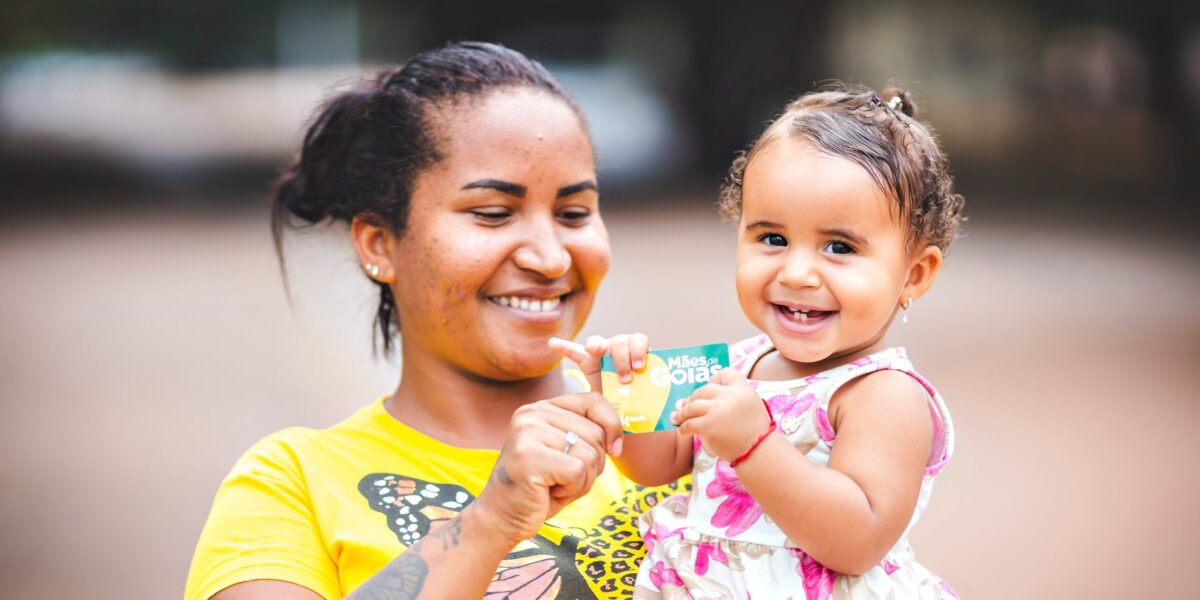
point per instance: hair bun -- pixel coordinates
(907, 105)
(295, 195)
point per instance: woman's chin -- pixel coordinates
(524, 365)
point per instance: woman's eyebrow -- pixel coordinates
(576, 188)
(504, 187)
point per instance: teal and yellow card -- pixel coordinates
(670, 375)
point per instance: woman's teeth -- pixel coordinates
(529, 304)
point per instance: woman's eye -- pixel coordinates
(839, 248)
(574, 216)
(491, 216)
(774, 239)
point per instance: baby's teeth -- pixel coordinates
(550, 304)
(803, 316)
(535, 306)
(502, 300)
(524, 305)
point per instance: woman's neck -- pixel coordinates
(460, 409)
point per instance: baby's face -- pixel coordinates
(821, 259)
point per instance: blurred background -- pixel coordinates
(148, 340)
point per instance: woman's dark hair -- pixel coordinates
(367, 144)
(880, 133)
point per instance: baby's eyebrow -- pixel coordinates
(763, 225)
(845, 233)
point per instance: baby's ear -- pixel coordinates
(922, 270)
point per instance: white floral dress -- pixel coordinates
(718, 543)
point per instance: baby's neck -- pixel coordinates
(774, 366)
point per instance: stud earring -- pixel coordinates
(904, 317)
(372, 270)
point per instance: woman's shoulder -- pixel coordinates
(293, 444)
(281, 451)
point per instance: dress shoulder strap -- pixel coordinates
(745, 353)
(895, 359)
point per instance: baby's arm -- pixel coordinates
(846, 516)
(651, 458)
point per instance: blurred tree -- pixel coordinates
(187, 34)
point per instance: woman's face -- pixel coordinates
(504, 246)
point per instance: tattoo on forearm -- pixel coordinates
(400, 580)
(502, 476)
(449, 533)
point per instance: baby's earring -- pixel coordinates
(904, 316)
(372, 270)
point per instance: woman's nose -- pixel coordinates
(543, 253)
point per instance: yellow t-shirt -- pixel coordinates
(327, 509)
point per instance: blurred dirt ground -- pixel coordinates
(142, 353)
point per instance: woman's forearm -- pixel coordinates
(458, 560)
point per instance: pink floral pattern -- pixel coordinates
(658, 532)
(818, 579)
(719, 543)
(787, 405)
(706, 551)
(824, 427)
(661, 574)
(738, 510)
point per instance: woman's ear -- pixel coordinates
(374, 244)
(921, 272)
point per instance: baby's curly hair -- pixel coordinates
(879, 132)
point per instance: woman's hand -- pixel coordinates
(726, 414)
(552, 454)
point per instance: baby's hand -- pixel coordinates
(628, 355)
(726, 414)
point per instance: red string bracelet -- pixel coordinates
(754, 446)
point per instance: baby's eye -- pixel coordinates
(492, 216)
(839, 248)
(774, 239)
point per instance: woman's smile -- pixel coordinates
(534, 305)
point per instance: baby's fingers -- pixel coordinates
(618, 348)
(596, 345)
(639, 345)
(679, 415)
(628, 354)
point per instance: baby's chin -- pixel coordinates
(801, 354)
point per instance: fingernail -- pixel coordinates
(626, 378)
(617, 445)
(637, 365)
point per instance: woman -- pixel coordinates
(468, 180)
